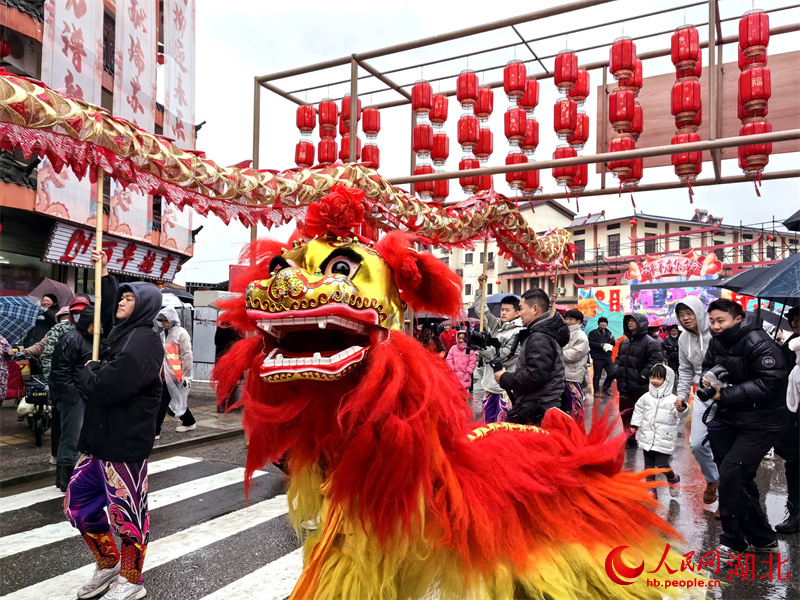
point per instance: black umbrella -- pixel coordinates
(780, 282)
(493, 305)
(735, 283)
(179, 293)
(793, 222)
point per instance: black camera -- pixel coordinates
(497, 363)
(717, 378)
(478, 340)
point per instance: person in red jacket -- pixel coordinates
(448, 336)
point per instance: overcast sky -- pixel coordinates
(239, 39)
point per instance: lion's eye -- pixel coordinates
(342, 266)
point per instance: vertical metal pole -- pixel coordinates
(256, 144)
(353, 108)
(98, 268)
(601, 118)
(483, 287)
(413, 166)
(712, 82)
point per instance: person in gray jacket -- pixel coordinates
(496, 403)
(692, 347)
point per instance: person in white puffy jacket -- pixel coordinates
(655, 420)
(575, 353)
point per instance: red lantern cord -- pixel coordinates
(691, 193)
(757, 183)
(633, 201)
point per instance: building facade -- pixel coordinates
(110, 54)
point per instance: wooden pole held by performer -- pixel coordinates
(483, 286)
(98, 267)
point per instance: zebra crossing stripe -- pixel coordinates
(56, 532)
(51, 492)
(273, 581)
(159, 552)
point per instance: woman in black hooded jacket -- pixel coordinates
(123, 394)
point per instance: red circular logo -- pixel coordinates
(618, 571)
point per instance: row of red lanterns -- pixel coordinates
(755, 89)
(625, 113)
(428, 141)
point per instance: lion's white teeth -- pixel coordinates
(322, 323)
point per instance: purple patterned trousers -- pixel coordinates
(120, 488)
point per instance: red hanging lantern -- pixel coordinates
(306, 119)
(622, 58)
(441, 189)
(484, 104)
(346, 110)
(371, 156)
(423, 139)
(685, 48)
(441, 149)
(483, 149)
(745, 62)
(621, 168)
(632, 222)
(371, 124)
(564, 175)
(755, 157)
(634, 82)
(486, 183)
(421, 97)
(514, 124)
(516, 179)
(438, 112)
(423, 189)
(344, 128)
(327, 151)
(530, 99)
(530, 142)
(754, 34)
(344, 151)
(514, 77)
(620, 109)
(580, 92)
(580, 136)
(631, 181)
(328, 118)
(755, 88)
(565, 118)
(566, 72)
(530, 183)
(467, 88)
(687, 164)
(469, 184)
(5, 49)
(304, 154)
(746, 116)
(686, 102)
(579, 180)
(468, 128)
(637, 124)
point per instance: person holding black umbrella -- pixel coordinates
(788, 444)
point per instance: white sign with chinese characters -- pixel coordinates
(70, 245)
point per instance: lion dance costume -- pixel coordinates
(412, 498)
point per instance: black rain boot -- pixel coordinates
(792, 522)
(63, 475)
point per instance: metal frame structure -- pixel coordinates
(713, 144)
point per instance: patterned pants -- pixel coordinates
(572, 401)
(120, 488)
(495, 408)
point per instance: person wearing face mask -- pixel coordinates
(462, 360)
(669, 348)
(45, 320)
(692, 347)
(109, 485)
(750, 413)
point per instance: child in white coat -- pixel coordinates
(655, 421)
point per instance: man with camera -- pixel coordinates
(744, 373)
(538, 382)
(503, 349)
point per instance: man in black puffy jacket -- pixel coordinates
(638, 353)
(750, 412)
(72, 352)
(123, 395)
(601, 344)
(538, 382)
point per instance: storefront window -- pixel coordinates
(20, 273)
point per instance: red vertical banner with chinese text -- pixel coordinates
(135, 100)
(613, 303)
(179, 88)
(72, 64)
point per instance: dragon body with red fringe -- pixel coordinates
(410, 496)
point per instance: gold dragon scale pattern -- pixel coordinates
(73, 133)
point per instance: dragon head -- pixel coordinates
(321, 305)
